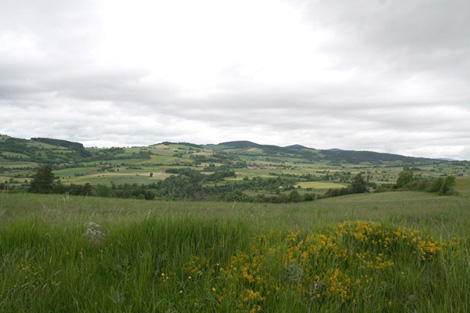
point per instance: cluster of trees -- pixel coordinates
(43, 182)
(62, 143)
(187, 184)
(73, 189)
(339, 176)
(292, 197)
(358, 185)
(405, 181)
(442, 185)
(214, 158)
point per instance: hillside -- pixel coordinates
(311, 155)
(237, 170)
(48, 150)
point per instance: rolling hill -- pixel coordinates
(47, 150)
(310, 154)
(236, 162)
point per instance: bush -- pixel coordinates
(447, 187)
(294, 196)
(103, 191)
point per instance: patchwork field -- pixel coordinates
(242, 171)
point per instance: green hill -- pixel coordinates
(48, 150)
(310, 154)
(234, 170)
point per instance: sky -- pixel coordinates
(377, 75)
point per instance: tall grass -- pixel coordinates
(219, 257)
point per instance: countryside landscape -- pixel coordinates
(230, 227)
(235, 156)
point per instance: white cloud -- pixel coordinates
(383, 75)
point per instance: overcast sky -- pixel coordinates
(387, 76)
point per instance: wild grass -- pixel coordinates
(463, 185)
(391, 252)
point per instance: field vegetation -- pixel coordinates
(400, 251)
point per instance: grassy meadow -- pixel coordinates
(381, 252)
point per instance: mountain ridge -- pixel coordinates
(28, 146)
(336, 155)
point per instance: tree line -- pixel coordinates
(190, 184)
(441, 185)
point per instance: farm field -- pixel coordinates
(320, 185)
(382, 252)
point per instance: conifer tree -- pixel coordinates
(42, 182)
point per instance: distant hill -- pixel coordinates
(181, 143)
(41, 150)
(51, 151)
(48, 150)
(296, 147)
(239, 144)
(310, 154)
(62, 143)
(251, 148)
(367, 156)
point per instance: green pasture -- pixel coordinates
(113, 162)
(4, 178)
(159, 158)
(426, 211)
(76, 170)
(14, 154)
(119, 178)
(320, 185)
(463, 185)
(258, 172)
(17, 164)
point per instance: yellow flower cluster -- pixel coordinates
(335, 264)
(167, 276)
(339, 261)
(248, 278)
(429, 249)
(30, 274)
(378, 237)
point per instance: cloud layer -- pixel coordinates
(388, 76)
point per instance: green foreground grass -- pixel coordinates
(389, 252)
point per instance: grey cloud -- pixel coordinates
(405, 87)
(394, 41)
